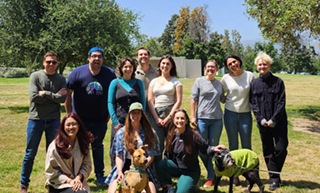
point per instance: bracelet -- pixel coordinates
(170, 115)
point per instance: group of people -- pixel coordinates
(143, 103)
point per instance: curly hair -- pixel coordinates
(232, 56)
(149, 136)
(188, 136)
(63, 142)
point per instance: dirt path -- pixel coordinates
(306, 125)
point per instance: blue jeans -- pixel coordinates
(35, 129)
(238, 123)
(210, 130)
(98, 129)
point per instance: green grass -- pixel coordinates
(303, 101)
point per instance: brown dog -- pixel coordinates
(136, 179)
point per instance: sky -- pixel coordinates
(224, 14)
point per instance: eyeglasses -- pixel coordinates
(52, 62)
(96, 56)
(213, 67)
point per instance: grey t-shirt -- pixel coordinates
(208, 94)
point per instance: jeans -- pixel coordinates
(210, 130)
(238, 123)
(98, 129)
(188, 178)
(35, 129)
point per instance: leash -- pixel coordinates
(139, 169)
(273, 172)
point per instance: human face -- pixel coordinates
(143, 57)
(233, 65)
(135, 116)
(180, 121)
(127, 70)
(211, 69)
(50, 64)
(95, 62)
(71, 127)
(165, 66)
(263, 67)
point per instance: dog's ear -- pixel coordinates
(131, 151)
(144, 147)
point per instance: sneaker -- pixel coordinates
(100, 178)
(208, 183)
(23, 189)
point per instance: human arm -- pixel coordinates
(254, 95)
(68, 102)
(152, 107)
(111, 103)
(60, 95)
(279, 110)
(177, 104)
(34, 89)
(119, 164)
(193, 103)
(142, 95)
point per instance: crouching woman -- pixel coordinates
(181, 155)
(136, 132)
(68, 161)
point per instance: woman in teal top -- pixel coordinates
(123, 91)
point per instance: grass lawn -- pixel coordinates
(303, 104)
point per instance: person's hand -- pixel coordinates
(194, 121)
(120, 176)
(117, 127)
(76, 184)
(62, 91)
(269, 125)
(159, 121)
(41, 92)
(166, 121)
(219, 147)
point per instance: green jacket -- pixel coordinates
(242, 157)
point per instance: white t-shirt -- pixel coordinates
(237, 89)
(165, 95)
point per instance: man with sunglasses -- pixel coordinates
(47, 89)
(89, 84)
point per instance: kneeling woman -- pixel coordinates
(68, 161)
(181, 155)
(136, 132)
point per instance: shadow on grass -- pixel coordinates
(309, 112)
(301, 184)
(97, 187)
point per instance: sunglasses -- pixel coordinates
(52, 62)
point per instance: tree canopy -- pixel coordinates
(70, 28)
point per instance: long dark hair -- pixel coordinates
(187, 136)
(149, 136)
(63, 142)
(173, 71)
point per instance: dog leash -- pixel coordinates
(273, 172)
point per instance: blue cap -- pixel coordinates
(94, 49)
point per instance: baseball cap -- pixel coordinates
(94, 49)
(135, 106)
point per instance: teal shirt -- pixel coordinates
(242, 157)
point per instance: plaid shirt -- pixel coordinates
(118, 149)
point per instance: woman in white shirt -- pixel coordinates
(164, 97)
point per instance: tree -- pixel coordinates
(69, 28)
(167, 38)
(215, 50)
(284, 21)
(248, 59)
(226, 43)
(181, 27)
(154, 46)
(237, 47)
(199, 28)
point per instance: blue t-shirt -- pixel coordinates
(90, 92)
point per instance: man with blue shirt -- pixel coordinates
(89, 84)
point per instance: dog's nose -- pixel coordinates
(145, 160)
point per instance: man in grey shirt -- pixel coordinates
(145, 71)
(47, 89)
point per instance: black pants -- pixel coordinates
(274, 145)
(64, 190)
